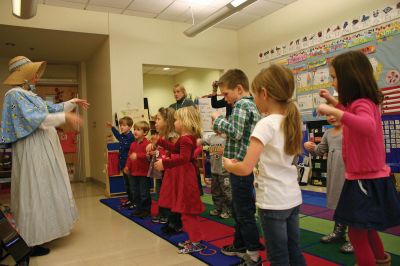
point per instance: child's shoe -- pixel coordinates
(191, 247)
(131, 207)
(247, 261)
(126, 204)
(215, 212)
(168, 230)
(143, 214)
(225, 215)
(163, 220)
(184, 243)
(347, 248)
(155, 219)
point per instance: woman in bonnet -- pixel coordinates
(41, 198)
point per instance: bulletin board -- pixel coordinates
(376, 34)
(137, 114)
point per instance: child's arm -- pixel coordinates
(165, 144)
(246, 166)
(319, 149)
(116, 134)
(233, 127)
(184, 156)
(361, 121)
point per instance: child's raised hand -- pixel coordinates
(133, 156)
(309, 145)
(158, 165)
(108, 124)
(324, 93)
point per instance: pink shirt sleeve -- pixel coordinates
(361, 118)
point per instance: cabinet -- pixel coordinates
(115, 185)
(316, 130)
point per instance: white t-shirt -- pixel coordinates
(276, 185)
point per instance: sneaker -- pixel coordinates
(163, 220)
(247, 261)
(230, 250)
(126, 204)
(143, 214)
(131, 207)
(191, 247)
(215, 212)
(155, 219)
(225, 215)
(332, 238)
(184, 243)
(347, 248)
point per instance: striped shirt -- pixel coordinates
(238, 127)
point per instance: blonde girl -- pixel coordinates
(183, 191)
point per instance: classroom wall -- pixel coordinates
(157, 89)
(294, 21)
(98, 83)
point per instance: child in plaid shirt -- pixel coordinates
(234, 85)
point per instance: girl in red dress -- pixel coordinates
(182, 193)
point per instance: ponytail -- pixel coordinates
(291, 127)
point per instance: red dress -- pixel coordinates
(180, 190)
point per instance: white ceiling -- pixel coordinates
(177, 10)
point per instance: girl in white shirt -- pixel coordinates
(275, 141)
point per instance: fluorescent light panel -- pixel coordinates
(218, 16)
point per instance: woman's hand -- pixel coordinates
(73, 120)
(158, 165)
(82, 103)
(309, 145)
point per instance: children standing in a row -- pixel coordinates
(234, 85)
(369, 200)
(181, 193)
(125, 138)
(137, 167)
(275, 141)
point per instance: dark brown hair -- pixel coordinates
(278, 82)
(355, 78)
(234, 77)
(126, 120)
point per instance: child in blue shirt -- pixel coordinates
(125, 139)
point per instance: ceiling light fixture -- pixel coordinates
(24, 9)
(166, 68)
(217, 16)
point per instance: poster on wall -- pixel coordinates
(137, 114)
(206, 111)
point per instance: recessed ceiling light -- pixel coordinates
(166, 68)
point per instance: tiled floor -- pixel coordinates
(104, 237)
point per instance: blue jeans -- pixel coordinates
(282, 236)
(243, 211)
(141, 187)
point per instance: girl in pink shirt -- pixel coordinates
(369, 200)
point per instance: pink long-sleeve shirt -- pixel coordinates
(363, 148)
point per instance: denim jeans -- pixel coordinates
(141, 187)
(243, 211)
(282, 236)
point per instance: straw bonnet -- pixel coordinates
(21, 69)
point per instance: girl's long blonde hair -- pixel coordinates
(278, 82)
(190, 118)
